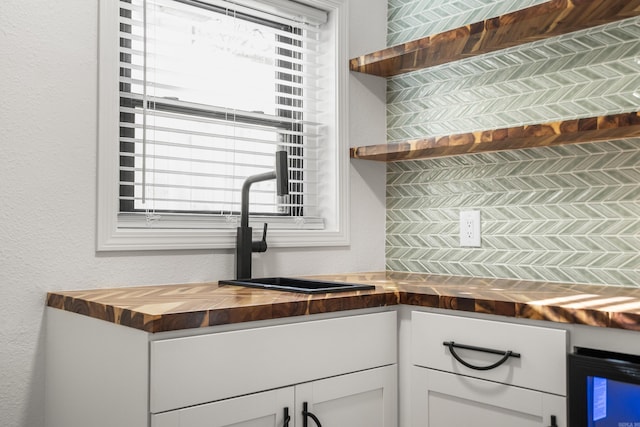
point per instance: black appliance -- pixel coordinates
(604, 389)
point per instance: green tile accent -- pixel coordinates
(412, 19)
(588, 73)
(565, 214)
(569, 214)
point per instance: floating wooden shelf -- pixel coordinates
(549, 19)
(592, 129)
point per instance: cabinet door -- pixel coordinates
(362, 399)
(442, 399)
(265, 409)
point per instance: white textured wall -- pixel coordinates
(48, 102)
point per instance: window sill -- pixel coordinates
(131, 234)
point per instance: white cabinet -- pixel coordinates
(442, 399)
(188, 371)
(103, 375)
(266, 409)
(343, 367)
(361, 399)
(451, 385)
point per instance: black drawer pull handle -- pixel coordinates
(287, 417)
(506, 355)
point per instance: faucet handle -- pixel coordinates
(260, 245)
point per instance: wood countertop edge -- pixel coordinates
(384, 296)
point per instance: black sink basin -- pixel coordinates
(297, 285)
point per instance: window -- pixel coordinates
(195, 96)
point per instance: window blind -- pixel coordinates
(208, 92)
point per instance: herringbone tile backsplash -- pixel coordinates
(412, 19)
(565, 214)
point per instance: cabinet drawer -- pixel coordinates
(541, 365)
(194, 370)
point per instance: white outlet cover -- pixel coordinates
(470, 233)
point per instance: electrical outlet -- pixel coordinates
(470, 229)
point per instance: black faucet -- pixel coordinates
(245, 245)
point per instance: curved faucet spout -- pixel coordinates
(246, 186)
(244, 242)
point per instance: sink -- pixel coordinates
(297, 285)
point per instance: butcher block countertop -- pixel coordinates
(173, 307)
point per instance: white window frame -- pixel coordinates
(114, 233)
